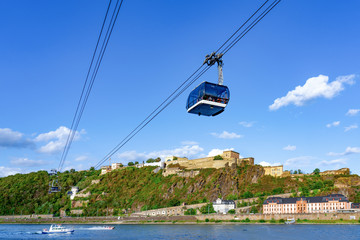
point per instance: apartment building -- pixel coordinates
(321, 204)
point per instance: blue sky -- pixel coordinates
(294, 82)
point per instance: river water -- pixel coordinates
(171, 231)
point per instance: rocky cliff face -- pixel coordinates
(211, 183)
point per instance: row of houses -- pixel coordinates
(321, 204)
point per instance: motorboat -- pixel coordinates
(290, 221)
(57, 228)
(108, 227)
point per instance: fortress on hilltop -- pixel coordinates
(219, 161)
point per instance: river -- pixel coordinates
(174, 231)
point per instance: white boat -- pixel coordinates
(57, 228)
(108, 227)
(290, 221)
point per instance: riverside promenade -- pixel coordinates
(134, 219)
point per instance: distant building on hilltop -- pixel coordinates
(153, 164)
(275, 171)
(116, 166)
(223, 206)
(105, 169)
(322, 204)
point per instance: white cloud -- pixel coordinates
(298, 162)
(336, 162)
(290, 148)
(333, 124)
(353, 112)
(216, 151)
(266, 164)
(314, 87)
(185, 151)
(10, 138)
(354, 126)
(56, 139)
(246, 124)
(25, 162)
(189, 143)
(81, 158)
(348, 150)
(226, 135)
(5, 171)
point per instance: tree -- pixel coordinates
(316, 171)
(136, 162)
(231, 211)
(174, 202)
(299, 171)
(131, 164)
(208, 208)
(247, 194)
(150, 160)
(218, 157)
(158, 159)
(190, 211)
(254, 209)
(92, 169)
(277, 190)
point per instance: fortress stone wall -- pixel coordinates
(229, 158)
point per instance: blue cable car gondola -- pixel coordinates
(54, 185)
(208, 99)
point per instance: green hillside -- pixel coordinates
(141, 189)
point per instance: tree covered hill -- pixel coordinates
(137, 189)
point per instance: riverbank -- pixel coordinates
(168, 220)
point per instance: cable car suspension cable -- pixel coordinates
(190, 80)
(83, 99)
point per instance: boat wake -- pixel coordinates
(91, 228)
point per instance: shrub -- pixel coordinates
(218, 157)
(272, 220)
(174, 202)
(247, 220)
(231, 197)
(208, 208)
(242, 204)
(231, 211)
(190, 211)
(254, 209)
(207, 220)
(277, 190)
(282, 221)
(262, 220)
(151, 160)
(247, 194)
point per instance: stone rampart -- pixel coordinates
(200, 163)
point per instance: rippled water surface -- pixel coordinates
(279, 232)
